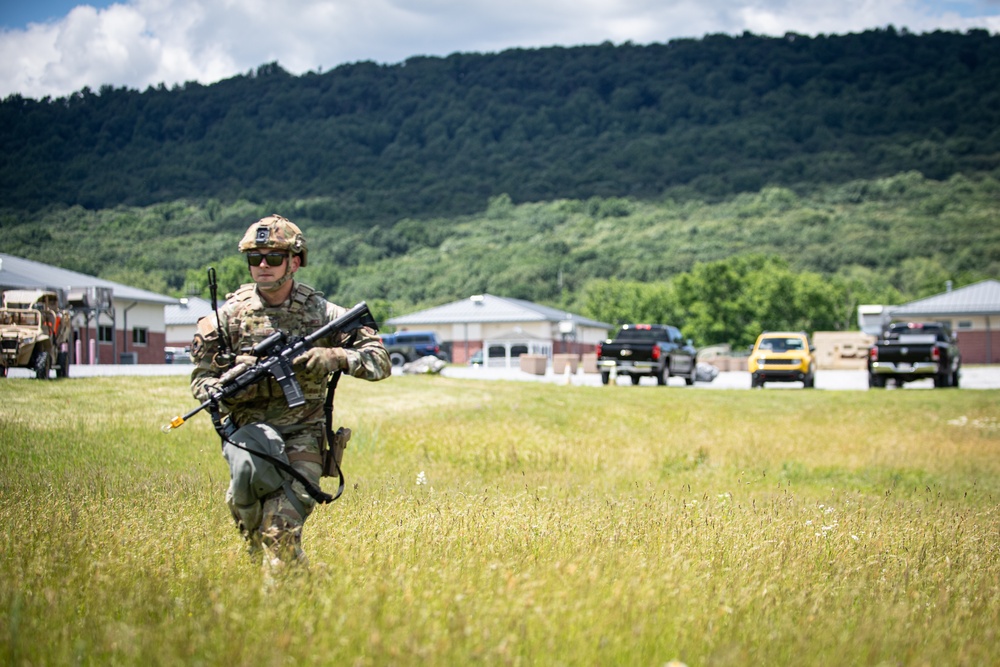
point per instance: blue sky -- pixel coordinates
(19, 14)
(55, 48)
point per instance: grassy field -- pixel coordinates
(513, 524)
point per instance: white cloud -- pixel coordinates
(146, 42)
(776, 18)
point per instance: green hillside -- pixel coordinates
(439, 136)
(880, 241)
(623, 182)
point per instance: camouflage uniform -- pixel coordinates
(246, 319)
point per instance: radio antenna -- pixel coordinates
(213, 287)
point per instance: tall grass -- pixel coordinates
(513, 524)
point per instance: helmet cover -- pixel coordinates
(276, 233)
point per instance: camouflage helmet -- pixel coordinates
(277, 233)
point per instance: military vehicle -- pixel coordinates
(35, 333)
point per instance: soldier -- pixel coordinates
(275, 249)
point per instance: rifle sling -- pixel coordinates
(317, 493)
(331, 388)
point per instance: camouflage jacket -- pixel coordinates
(246, 320)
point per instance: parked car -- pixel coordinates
(782, 356)
(655, 350)
(407, 346)
(177, 355)
(908, 351)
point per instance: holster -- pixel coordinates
(334, 453)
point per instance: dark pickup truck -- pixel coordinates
(913, 351)
(656, 350)
(406, 346)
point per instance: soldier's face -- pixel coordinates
(263, 272)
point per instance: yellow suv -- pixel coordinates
(782, 356)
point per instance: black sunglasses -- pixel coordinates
(272, 258)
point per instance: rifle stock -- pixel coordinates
(277, 353)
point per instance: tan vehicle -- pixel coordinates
(34, 330)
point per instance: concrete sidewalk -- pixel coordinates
(110, 370)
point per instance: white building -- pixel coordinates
(182, 319)
(113, 323)
(502, 329)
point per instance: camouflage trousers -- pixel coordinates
(274, 525)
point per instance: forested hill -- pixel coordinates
(440, 136)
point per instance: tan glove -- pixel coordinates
(324, 359)
(206, 389)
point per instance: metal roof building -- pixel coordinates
(973, 312)
(182, 319)
(17, 272)
(111, 319)
(503, 328)
(982, 298)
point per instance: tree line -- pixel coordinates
(731, 301)
(434, 136)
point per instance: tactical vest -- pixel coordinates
(251, 321)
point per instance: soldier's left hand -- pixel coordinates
(324, 359)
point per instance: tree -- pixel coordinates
(734, 300)
(622, 302)
(231, 272)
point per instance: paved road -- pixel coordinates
(976, 377)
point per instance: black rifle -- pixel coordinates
(275, 356)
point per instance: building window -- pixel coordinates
(105, 333)
(964, 324)
(139, 336)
